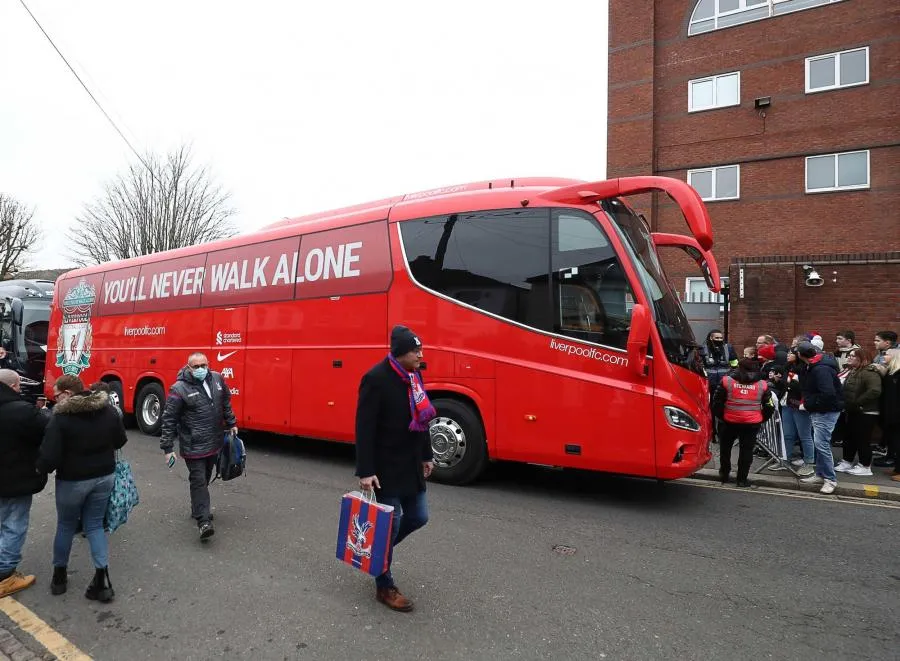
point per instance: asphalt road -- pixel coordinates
(659, 572)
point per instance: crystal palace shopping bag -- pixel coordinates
(364, 533)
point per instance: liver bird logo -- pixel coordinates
(356, 541)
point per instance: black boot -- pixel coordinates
(60, 581)
(100, 588)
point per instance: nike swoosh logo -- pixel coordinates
(220, 357)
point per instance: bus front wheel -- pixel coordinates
(458, 443)
(148, 409)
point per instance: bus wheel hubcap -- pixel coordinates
(448, 442)
(150, 410)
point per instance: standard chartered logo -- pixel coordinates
(219, 337)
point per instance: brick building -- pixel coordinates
(785, 116)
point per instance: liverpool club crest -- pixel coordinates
(73, 349)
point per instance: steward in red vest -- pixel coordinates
(738, 402)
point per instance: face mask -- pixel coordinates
(199, 373)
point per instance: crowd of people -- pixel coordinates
(847, 398)
(78, 442)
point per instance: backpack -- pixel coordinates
(232, 459)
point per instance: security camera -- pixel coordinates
(813, 279)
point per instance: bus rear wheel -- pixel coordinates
(458, 443)
(148, 409)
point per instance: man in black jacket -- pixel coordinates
(822, 396)
(21, 430)
(393, 446)
(198, 411)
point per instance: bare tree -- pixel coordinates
(18, 235)
(164, 205)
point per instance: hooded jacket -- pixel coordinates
(21, 432)
(82, 437)
(862, 390)
(821, 389)
(195, 418)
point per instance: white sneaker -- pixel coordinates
(843, 467)
(860, 470)
(797, 462)
(812, 479)
(828, 486)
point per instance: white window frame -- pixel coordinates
(709, 295)
(837, 70)
(714, 170)
(715, 105)
(744, 8)
(836, 186)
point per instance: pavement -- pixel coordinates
(879, 486)
(528, 563)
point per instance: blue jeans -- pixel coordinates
(796, 423)
(823, 425)
(410, 514)
(14, 513)
(85, 500)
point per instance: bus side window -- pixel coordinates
(592, 299)
(495, 260)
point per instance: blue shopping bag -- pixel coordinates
(364, 533)
(124, 496)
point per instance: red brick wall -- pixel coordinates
(774, 214)
(865, 298)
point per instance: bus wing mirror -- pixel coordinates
(704, 258)
(687, 199)
(639, 339)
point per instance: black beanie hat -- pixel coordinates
(807, 350)
(403, 341)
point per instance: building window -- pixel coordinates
(835, 70)
(832, 172)
(722, 183)
(712, 15)
(697, 291)
(714, 92)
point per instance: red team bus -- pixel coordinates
(552, 333)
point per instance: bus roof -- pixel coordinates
(335, 218)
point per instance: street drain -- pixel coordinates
(562, 549)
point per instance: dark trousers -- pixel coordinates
(858, 437)
(410, 514)
(199, 474)
(746, 435)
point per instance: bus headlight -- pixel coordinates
(680, 419)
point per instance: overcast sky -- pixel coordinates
(298, 107)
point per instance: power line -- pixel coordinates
(90, 94)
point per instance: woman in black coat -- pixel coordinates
(80, 445)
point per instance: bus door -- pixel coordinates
(227, 356)
(582, 405)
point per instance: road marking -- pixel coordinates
(42, 632)
(770, 491)
(871, 490)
